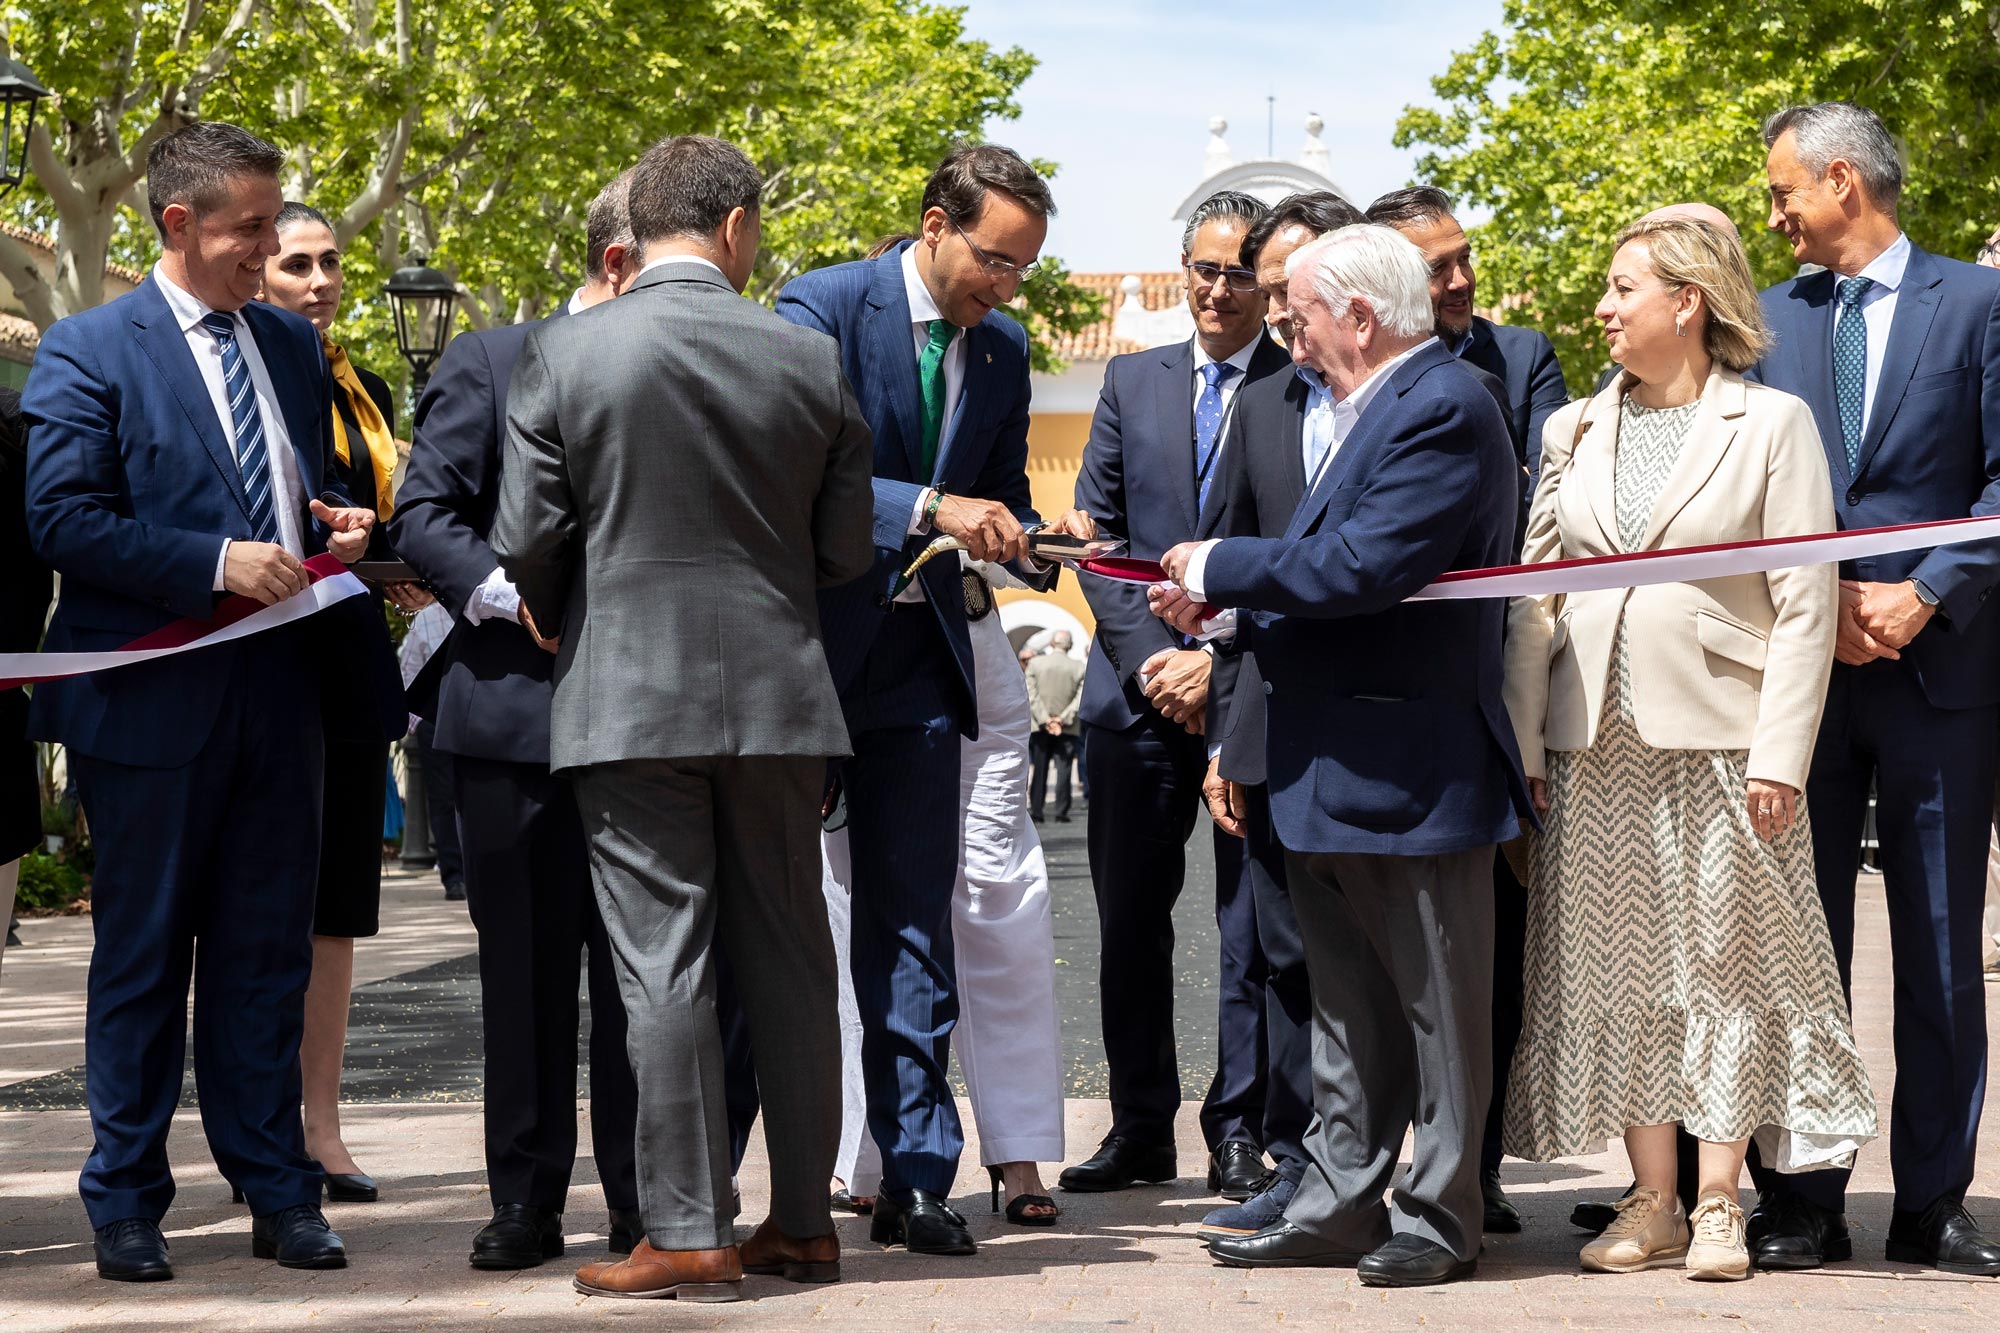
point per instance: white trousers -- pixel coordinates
(1003, 937)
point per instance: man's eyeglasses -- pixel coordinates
(1239, 279)
(997, 268)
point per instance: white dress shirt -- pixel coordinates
(1878, 311)
(1346, 416)
(287, 496)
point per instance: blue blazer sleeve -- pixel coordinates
(445, 508)
(1405, 525)
(1547, 394)
(1962, 576)
(75, 481)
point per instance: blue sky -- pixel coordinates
(1125, 89)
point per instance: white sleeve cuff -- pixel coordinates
(917, 511)
(222, 564)
(1191, 581)
(494, 599)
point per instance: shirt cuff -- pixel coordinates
(917, 512)
(494, 599)
(1191, 581)
(221, 564)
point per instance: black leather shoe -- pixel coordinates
(1500, 1214)
(921, 1223)
(1236, 1170)
(297, 1237)
(1120, 1163)
(627, 1226)
(844, 1201)
(354, 1188)
(519, 1236)
(1796, 1233)
(132, 1250)
(1280, 1245)
(1411, 1261)
(1943, 1236)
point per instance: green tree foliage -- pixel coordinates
(476, 134)
(1582, 114)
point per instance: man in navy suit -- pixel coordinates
(1523, 363)
(179, 449)
(942, 377)
(1153, 473)
(526, 866)
(1392, 766)
(1898, 352)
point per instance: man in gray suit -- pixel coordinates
(667, 513)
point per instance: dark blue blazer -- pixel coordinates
(492, 685)
(1931, 450)
(131, 487)
(1387, 733)
(984, 452)
(1524, 361)
(1138, 481)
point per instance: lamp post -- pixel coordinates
(423, 300)
(19, 92)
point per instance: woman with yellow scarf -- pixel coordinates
(305, 278)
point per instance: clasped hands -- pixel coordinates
(1878, 620)
(268, 573)
(992, 533)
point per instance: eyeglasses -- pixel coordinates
(996, 268)
(1240, 279)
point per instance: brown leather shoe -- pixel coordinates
(650, 1274)
(770, 1251)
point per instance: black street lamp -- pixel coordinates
(19, 92)
(423, 300)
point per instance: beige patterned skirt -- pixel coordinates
(1678, 966)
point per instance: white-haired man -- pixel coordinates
(1393, 770)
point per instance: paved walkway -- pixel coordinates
(1128, 1260)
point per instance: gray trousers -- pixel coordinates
(691, 855)
(1400, 953)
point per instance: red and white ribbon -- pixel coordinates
(237, 617)
(1691, 564)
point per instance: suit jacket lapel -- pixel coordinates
(1916, 306)
(1594, 464)
(1708, 439)
(160, 337)
(1810, 305)
(1173, 419)
(1292, 464)
(896, 354)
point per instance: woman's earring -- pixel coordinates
(1680, 329)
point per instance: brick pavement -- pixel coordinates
(1128, 1261)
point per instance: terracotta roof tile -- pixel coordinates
(1157, 291)
(42, 242)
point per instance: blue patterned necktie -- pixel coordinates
(1207, 426)
(1850, 364)
(253, 460)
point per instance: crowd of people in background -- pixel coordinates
(1515, 878)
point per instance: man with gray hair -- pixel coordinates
(1055, 689)
(1153, 473)
(1392, 763)
(1897, 351)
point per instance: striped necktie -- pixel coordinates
(253, 460)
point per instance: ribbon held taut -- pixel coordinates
(236, 617)
(1638, 569)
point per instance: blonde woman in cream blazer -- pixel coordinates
(1678, 967)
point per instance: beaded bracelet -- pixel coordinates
(931, 508)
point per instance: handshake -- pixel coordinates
(1170, 601)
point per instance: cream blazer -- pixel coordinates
(1724, 664)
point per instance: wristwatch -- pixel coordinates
(1924, 595)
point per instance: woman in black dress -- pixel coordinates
(305, 278)
(25, 590)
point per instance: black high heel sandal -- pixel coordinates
(1018, 1206)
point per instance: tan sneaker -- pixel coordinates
(1718, 1253)
(1648, 1232)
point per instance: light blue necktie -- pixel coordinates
(1207, 423)
(253, 460)
(1850, 364)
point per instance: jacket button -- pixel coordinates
(1854, 497)
(1267, 687)
(882, 599)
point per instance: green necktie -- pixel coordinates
(930, 375)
